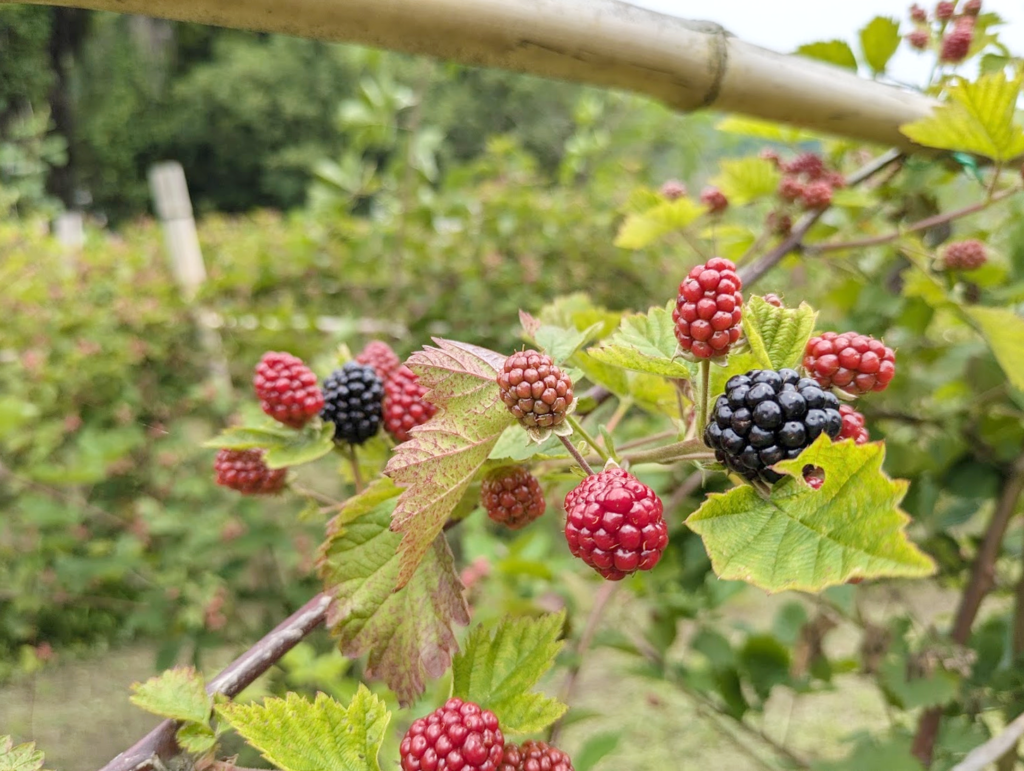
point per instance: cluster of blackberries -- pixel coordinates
(954, 30)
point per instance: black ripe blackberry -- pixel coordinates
(766, 416)
(352, 401)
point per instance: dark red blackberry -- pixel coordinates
(352, 402)
(766, 416)
(817, 195)
(790, 189)
(614, 524)
(944, 10)
(404, 405)
(287, 389)
(971, 8)
(535, 390)
(534, 756)
(964, 255)
(809, 164)
(918, 14)
(853, 425)
(714, 199)
(512, 497)
(919, 39)
(379, 355)
(856, 363)
(460, 736)
(245, 471)
(708, 309)
(957, 42)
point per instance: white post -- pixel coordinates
(69, 228)
(174, 209)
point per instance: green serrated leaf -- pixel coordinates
(978, 118)
(1004, 331)
(777, 336)
(809, 539)
(197, 738)
(879, 40)
(284, 446)
(305, 446)
(298, 735)
(837, 52)
(407, 633)
(642, 229)
(444, 454)
(652, 393)
(747, 179)
(24, 757)
(500, 666)
(561, 343)
(178, 694)
(644, 343)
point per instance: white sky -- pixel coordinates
(782, 25)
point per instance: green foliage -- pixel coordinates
(744, 180)
(323, 735)
(178, 694)
(284, 447)
(801, 538)
(645, 343)
(777, 336)
(836, 52)
(24, 757)
(642, 229)
(435, 467)
(879, 41)
(407, 631)
(980, 117)
(499, 668)
(1004, 331)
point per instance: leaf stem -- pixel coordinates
(705, 394)
(577, 427)
(691, 449)
(357, 477)
(576, 454)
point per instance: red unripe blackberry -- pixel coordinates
(512, 497)
(534, 756)
(673, 189)
(778, 223)
(971, 8)
(964, 255)
(379, 355)
(790, 189)
(535, 390)
(944, 10)
(287, 389)
(708, 309)
(919, 39)
(456, 737)
(957, 44)
(245, 471)
(614, 524)
(404, 405)
(850, 361)
(814, 477)
(817, 195)
(809, 164)
(714, 199)
(853, 425)
(773, 299)
(918, 14)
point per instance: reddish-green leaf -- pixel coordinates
(23, 757)
(406, 633)
(439, 462)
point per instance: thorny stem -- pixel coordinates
(980, 583)
(577, 427)
(928, 222)
(576, 454)
(601, 600)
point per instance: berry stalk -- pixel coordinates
(705, 395)
(576, 454)
(577, 427)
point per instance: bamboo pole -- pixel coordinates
(685, 64)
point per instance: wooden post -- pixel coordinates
(174, 209)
